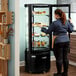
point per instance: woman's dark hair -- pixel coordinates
(61, 14)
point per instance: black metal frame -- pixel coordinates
(50, 18)
(30, 26)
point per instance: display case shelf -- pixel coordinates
(40, 15)
(40, 36)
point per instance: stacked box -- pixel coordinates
(3, 68)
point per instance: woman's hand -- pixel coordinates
(70, 20)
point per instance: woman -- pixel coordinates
(60, 27)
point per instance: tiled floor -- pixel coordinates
(72, 71)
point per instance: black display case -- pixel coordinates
(37, 54)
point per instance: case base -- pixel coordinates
(37, 61)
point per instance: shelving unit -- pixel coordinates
(6, 18)
(2, 12)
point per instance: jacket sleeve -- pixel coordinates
(49, 30)
(70, 27)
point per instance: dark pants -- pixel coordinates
(61, 54)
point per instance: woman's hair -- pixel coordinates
(61, 14)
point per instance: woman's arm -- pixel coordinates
(70, 26)
(49, 30)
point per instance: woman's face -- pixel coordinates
(56, 16)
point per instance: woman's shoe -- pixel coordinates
(64, 74)
(57, 74)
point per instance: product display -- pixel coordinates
(39, 43)
(36, 34)
(37, 54)
(43, 43)
(37, 23)
(38, 12)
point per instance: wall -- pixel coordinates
(23, 25)
(11, 63)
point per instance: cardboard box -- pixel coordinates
(3, 68)
(5, 52)
(0, 74)
(4, 5)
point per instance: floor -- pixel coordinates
(72, 71)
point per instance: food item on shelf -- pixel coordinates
(44, 12)
(43, 34)
(34, 43)
(39, 24)
(33, 24)
(38, 12)
(44, 25)
(43, 43)
(37, 34)
(38, 43)
(36, 24)
(32, 34)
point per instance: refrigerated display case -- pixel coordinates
(37, 55)
(39, 44)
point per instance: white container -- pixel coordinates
(5, 41)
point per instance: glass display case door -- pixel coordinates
(40, 17)
(62, 6)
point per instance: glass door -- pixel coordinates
(40, 17)
(65, 8)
